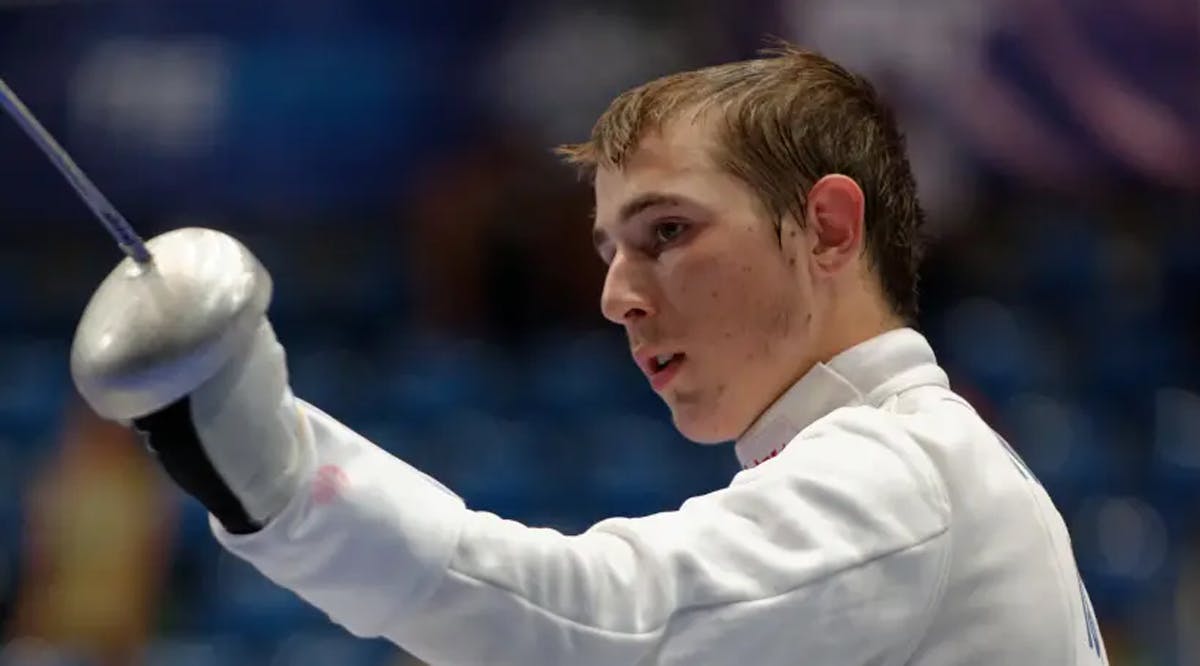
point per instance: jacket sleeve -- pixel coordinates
(835, 553)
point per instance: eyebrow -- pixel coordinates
(631, 209)
(643, 202)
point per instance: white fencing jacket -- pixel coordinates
(878, 521)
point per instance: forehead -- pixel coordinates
(674, 160)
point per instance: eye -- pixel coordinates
(606, 254)
(668, 230)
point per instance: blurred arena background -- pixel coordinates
(389, 161)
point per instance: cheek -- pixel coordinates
(743, 308)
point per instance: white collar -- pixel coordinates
(865, 374)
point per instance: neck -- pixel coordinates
(859, 332)
(846, 329)
(865, 374)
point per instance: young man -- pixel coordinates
(760, 225)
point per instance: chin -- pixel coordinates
(705, 431)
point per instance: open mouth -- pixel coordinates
(662, 368)
(662, 361)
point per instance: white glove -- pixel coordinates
(182, 350)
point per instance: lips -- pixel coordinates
(660, 367)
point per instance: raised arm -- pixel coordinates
(835, 550)
(839, 548)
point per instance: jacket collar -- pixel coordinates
(865, 374)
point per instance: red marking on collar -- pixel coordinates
(774, 452)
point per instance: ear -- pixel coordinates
(834, 215)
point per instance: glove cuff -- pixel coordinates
(171, 436)
(238, 443)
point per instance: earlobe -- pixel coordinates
(835, 212)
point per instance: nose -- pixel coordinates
(626, 296)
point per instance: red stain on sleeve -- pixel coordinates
(329, 483)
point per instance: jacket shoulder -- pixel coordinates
(854, 430)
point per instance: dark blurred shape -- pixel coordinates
(1187, 601)
(499, 243)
